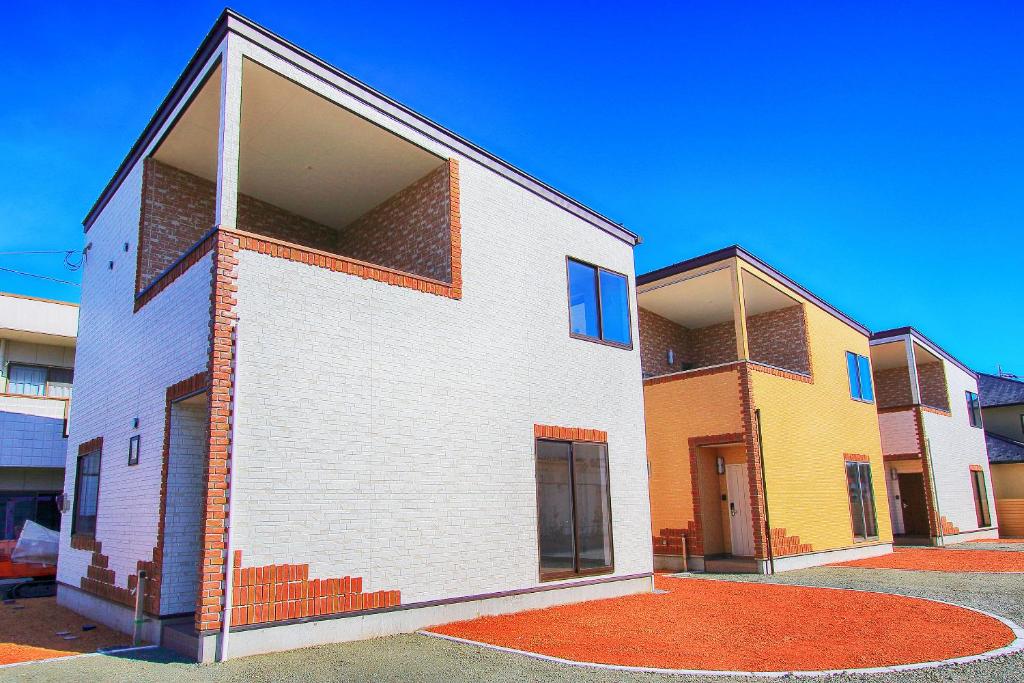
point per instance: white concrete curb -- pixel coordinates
(1016, 645)
(109, 651)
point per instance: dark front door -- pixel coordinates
(915, 511)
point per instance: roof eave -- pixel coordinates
(896, 332)
(231, 21)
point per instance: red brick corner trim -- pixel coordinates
(779, 372)
(892, 457)
(936, 411)
(689, 374)
(569, 433)
(280, 592)
(190, 258)
(856, 457)
(91, 446)
(948, 528)
(783, 545)
(976, 468)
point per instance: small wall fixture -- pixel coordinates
(135, 423)
(720, 462)
(894, 474)
(671, 357)
(133, 449)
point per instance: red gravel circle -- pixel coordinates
(729, 626)
(942, 560)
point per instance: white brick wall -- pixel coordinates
(955, 446)
(388, 434)
(125, 362)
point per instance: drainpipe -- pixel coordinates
(764, 495)
(140, 593)
(229, 573)
(931, 479)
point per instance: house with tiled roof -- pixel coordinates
(1002, 404)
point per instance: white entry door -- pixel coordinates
(741, 524)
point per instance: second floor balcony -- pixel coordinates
(718, 314)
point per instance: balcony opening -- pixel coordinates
(688, 324)
(691, 324)
(891, 371)
(776, 326)
(312, 174)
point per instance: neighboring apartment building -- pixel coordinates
(1002, 406)
(37, 359)
(933, 441)
(763, 442)
(342, 373)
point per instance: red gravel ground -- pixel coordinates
(997, 540)
(729, 626)
(941, 560)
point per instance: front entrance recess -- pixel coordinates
(912, 499)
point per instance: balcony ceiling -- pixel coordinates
(707, 299)
(894, 355)
(298, 151)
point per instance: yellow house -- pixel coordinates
(763, 441)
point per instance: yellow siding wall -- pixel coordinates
(1008, 488)
(806, 430)
(675, 411)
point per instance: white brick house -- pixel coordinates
(933, 441)
(391, 377)
(37, 358)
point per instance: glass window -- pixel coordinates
(614, 308)
(26, 379)
(16, 507)
(35, 380)
(58, 382)
(554, 507)
(973, 409)
(858, 369)
(862, 500)
(593, 513)
(583, 313)
(980, 498)
(573, 508)
(87, 492)
(598, 304)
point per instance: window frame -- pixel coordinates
(75, 529)
(860, 381)
(974, 410)
(576, 571)
(600, 304)
(46, 383)
(865, 465)
(979, 488)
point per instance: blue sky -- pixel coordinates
(874, 152)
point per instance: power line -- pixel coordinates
(41, 277)
(49, 251)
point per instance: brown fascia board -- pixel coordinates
(890, 335)
(736, 251)
(231, 21)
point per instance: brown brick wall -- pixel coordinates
(408, 232)
(657, 336)
(713, 345)
(931, 378)
(411, 231)
(177, 209)
(779, 338)
(699, 348)
(892, 388)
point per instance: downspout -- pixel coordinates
(229, 573)
(931, 480)
(764, 494)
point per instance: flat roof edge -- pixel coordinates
(231, 21)
(736, 251)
